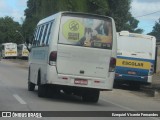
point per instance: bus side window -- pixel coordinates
(34, 36)
(40, 35)
(37, 36)
(36, 32)
(44, 34)
(49, 31)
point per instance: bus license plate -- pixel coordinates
(81, 81)
(131, 73)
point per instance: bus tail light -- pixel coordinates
(112, 64)
(53, 57)
(151, 71)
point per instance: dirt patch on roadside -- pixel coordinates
(20, 63)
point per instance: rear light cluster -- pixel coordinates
(112, 64)
(151, 71)
(53, 57)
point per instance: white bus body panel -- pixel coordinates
(73, 60)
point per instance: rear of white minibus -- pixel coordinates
(86, 53)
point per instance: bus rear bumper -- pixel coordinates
(129, 78)
(80, 81)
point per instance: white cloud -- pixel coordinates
(17, 15)
(3, 4)
(13, 8)
(4, 8)
(142, 8)
(22, 2)
(147, 1)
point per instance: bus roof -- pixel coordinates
(52, 17)
(8, 43)
(127, 33)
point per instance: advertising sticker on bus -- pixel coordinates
(73, 30)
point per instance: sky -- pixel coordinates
(139, 8)
(13, 8)
(142, 9)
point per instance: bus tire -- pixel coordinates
(91, 96)
(31, 86)
(49, 91)
(41, 90)
(135, 86)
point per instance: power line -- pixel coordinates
(147, 14)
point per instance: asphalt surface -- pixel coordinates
(14, 96)
(152, 90)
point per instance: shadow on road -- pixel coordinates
(143, 90)
(67, 98)
(126, 87)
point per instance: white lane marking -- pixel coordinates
(126, 108)
(19, 99)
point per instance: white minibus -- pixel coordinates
(74, 53)
(9, 50)
(22, 51)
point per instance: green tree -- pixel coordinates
(98, 6)
(8, 29)
(119, 10)
(156, 30)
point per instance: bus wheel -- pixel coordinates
(135, 86)
(91, 96)
(41, 90)
(31, 86)
(50, 91)
(67, 91)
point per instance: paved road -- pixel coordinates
(15, 97)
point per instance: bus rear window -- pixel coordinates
(86, 32)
